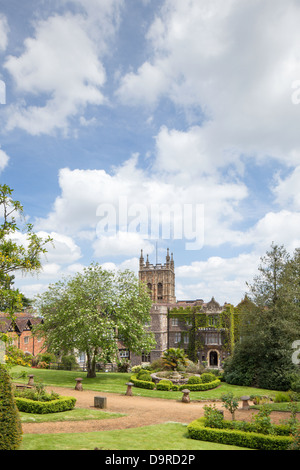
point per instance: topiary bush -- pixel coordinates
(207, 377)
(10, 423)
(165, 385)
(194, 380)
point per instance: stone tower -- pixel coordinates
(160, 279)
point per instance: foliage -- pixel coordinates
(207, 377)
(42, 407)
(164, 384)
(142, 383)
(94, 309)
(252, 440)
(194, 380)
(10, 424)
(213, 417)
(202, 386)
(174, 357)
(270, 323)
(20, 250)
(230, 403)
(16, 357)
(123, 365)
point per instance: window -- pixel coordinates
(26, 340)
(177, 337)
(146, 357)
(159, 291)
(213, 320)
(186, 338)
(124, 354)
(174, 321)
(213, 338)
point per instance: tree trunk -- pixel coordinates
(91, 366)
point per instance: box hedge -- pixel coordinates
(201, 387)
(42, 407)
(142, 383)
(251, 440)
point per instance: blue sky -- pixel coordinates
(147, 106)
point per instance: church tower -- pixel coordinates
(160, 279)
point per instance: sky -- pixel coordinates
(153, 124)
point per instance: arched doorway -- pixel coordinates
(213, 359)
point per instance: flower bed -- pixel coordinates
(167, 385)
(43, 407)
(252, 440)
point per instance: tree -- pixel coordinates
(16, 256)
(90, 311)
(268, 327)
(174, 357)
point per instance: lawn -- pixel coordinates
(168, 436)
(116, 383)
(77, 414)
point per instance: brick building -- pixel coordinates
(20, 330)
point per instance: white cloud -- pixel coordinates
(235, 61)
(4, 30)
(4, 159)
(287, 189)
(61, 66)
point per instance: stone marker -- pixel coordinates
(100, 402)
(186, 396)
(245, 402)
(129, 389)
(78, 385)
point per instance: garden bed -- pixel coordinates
(42, 407)
(252, 440)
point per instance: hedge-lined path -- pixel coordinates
(140, 411)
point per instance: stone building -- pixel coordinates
(173, 321)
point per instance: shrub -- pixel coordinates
(40, 407)
(194, 380)
(144, 375)
(10, 424)
(164, 385)
(201, 387)
(142, 383)
(282, 397)
(251, 440)
(213, 417)
(207, 377)
(69, 362)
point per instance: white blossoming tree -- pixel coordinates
(90, 311)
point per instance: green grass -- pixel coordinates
(78, 414)
(116, 383)
(168, 436)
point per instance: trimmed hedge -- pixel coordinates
(43, 407)
(165, 385)
(142, 383)
(201, 387)
(251, 440)
(10, 423)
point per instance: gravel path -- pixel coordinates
(140, 411)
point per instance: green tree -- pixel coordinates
(16, 255)
(90, 311)
(174, 357)
(268, 328)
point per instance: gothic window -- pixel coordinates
(174, 321)
(159, 291)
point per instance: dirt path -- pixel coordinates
(140, 411)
